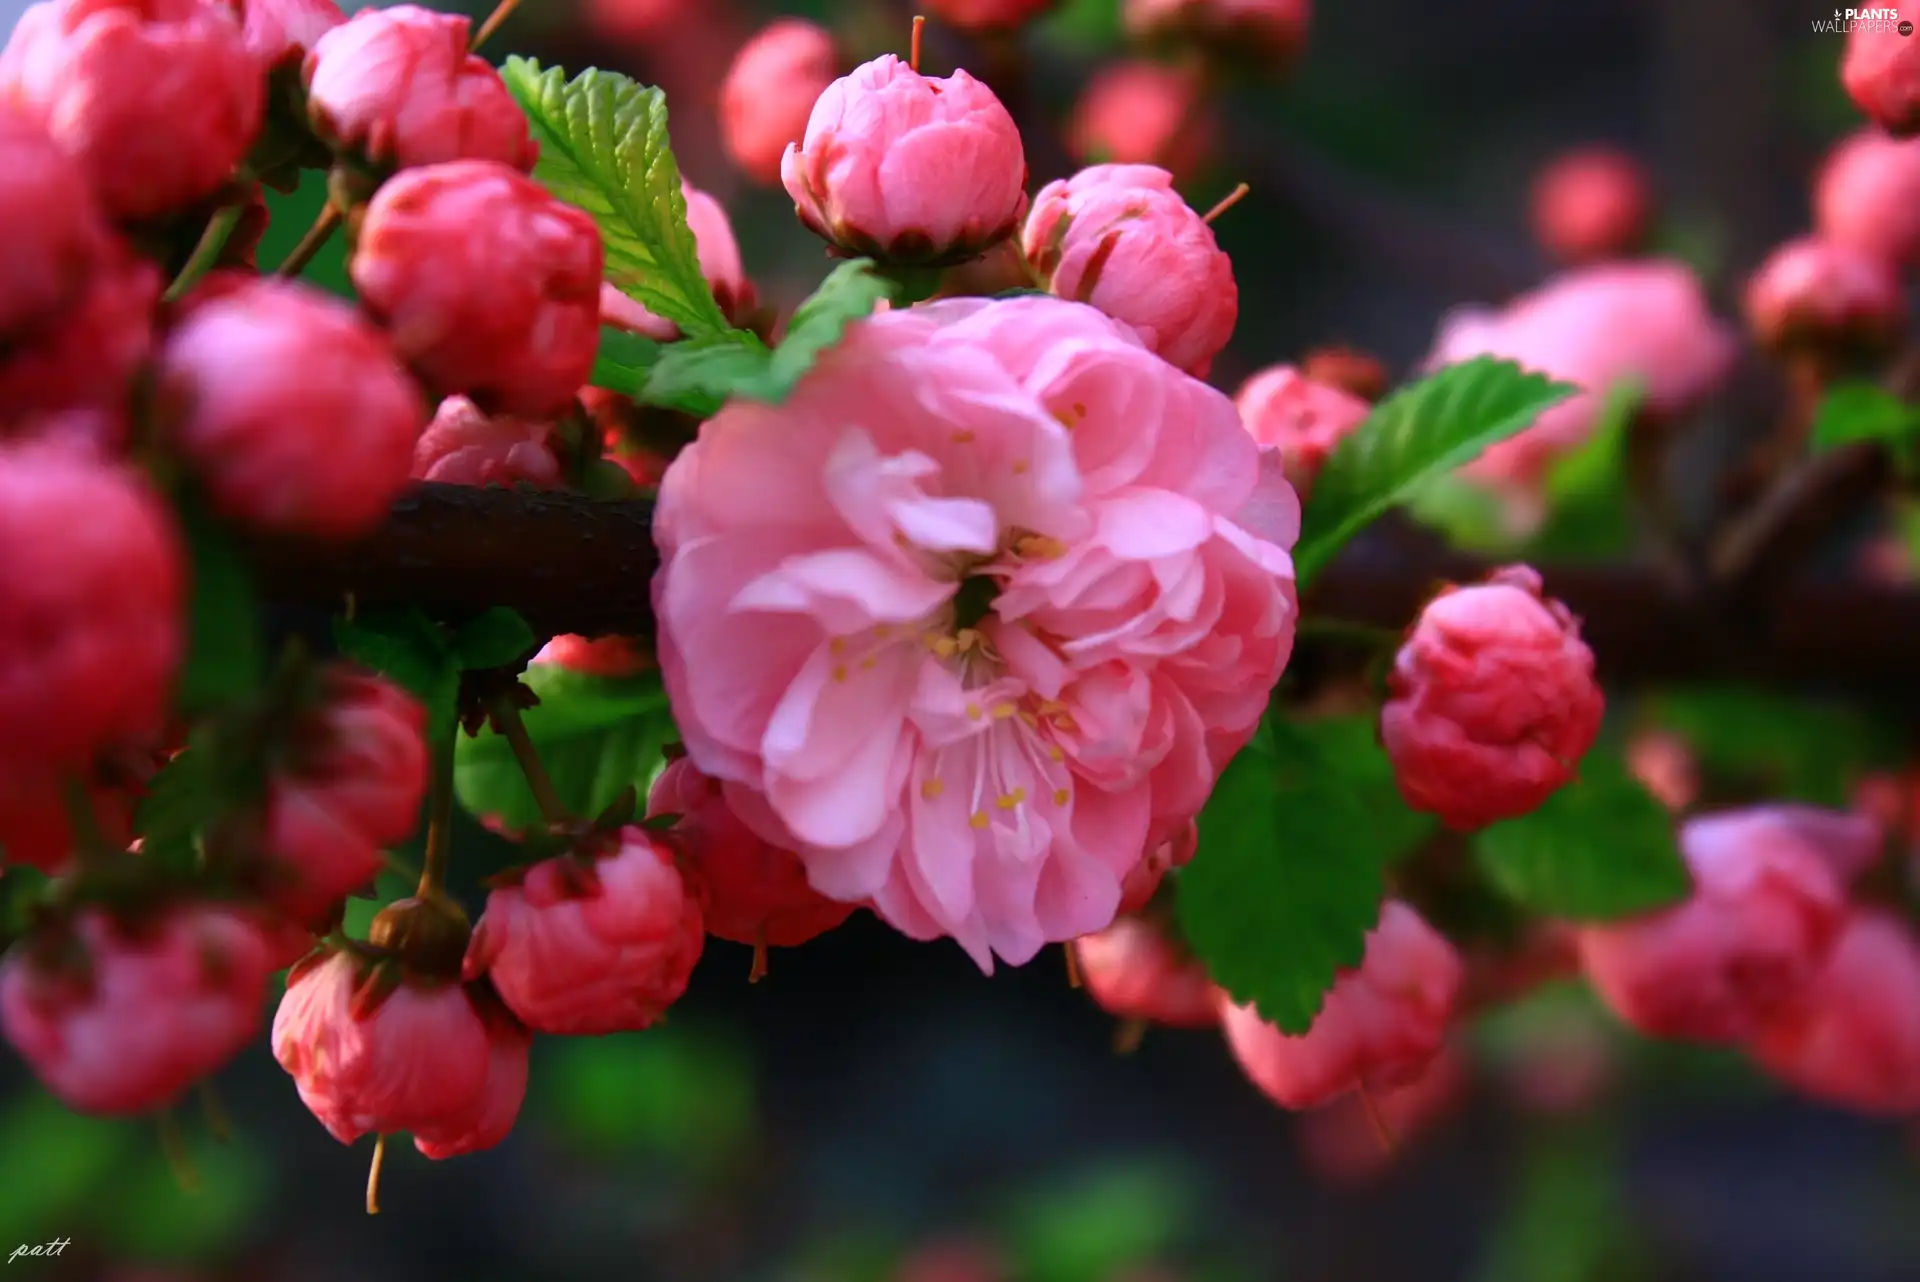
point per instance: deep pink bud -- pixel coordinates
(1853, 1037)
(1341, 1142)
(399, 87)
(1121, 238)
(462, 446)
(52, 237)
(1381, 1027)
(1825, 295)
(1303, 420)
(769, 93)
(350, 784)
(1766, 908)
(92, 607)
(1867, 195)
(987, 15)
(908, 168)
(595, 656)
(489, 286)
(491, 1121)
(158, 100)
(1881, 72)
(752, 892)
(1139, 887)
(584, 949)
(1592, 204)
(1493, 701)
(280, 32)
(1135, 971)
(87, 355)
(1142, 113)
(142, 1011)
(294, 411)
(1266, 33)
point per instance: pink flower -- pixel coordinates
(751, 892)
(1594, 327)
(87, 355)
(349, 784)
(1493, 701)
(769, 92)
(157, 100)
(1138, 887)
(720, 263)
(1853, 1038)
(489, 286)
(1301, 419)
(1121, 238)
(92, 607)
(399, 86)
(280, 32)
(1881, 72)
(973, 613)
(142, 1011)
(1135, 971)
(908, 168)
(1867, 195)
(433, 1058)
(636, 21)
(1665, 765)
(581, 949)
(1382, 1025)
(1142, 113)
(1341, 1141)
(1825, 295)
(596, 656)
(52, 235)
(295, 412)
(1267, 33)
(462, 446)
(1592, 204)
(988, 15)
(1348, 369)
(1765, 911)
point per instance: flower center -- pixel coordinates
(973, 601)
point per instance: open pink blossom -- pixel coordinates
(1766, 908)
(1302, 419)
(1134, 970)
(1382, 1025)
(463, 446)
(975, 614)
(1867, 195)
(1881, 71)
(1594, 327)
(1139, 112)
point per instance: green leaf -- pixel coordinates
(596, 736)
(623, 361)
(1601, 848)
(1570, 1221)
(225, 655)
(493, 639)
(1778, 745)
(1589, 495)
(52, 1162)
(681, 1096)
(1862, 411)
(1288, 879)
(178, 803)
(1099, 1225)
(153, 1219)
(1472, 517)
(1433, 426)
(604, 147)
(699, 376)
(412, 650)
(1352, 750)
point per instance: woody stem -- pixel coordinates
(506, 719)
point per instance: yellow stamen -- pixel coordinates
(979, 819)
(882, 631)
(1060, 796)
(1012, 799)
(943, 646)
(839, 672)
(968, 639)
(963, 438)
(1003, 710)
(1029, 720)
(869, 663)
(1020, 468)
(837, 646)
(933, 788)
(1054, 753)
(973, 712)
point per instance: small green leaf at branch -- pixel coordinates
(412, 650)
(226, 648)
(493, 639)
(623, 361)
(1862, 411)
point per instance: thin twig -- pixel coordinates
(205, 254)
(501, 12)
(433, 873)
(506, 718)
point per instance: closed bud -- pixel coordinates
(52, 236)
(1135, 970)
(1301, 420)
(1826, 297)
(1867, 196)
(1263, 35)
(769, 93)
(1592, 204)
(1881, 72)
(1143, 113)
(462, 446)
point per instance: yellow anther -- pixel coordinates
(837, 646)
(1012, 799)
(945, 647)
(963, 438)
(1001, 711)
(1029, 720)
(1020, 468)
(979, 819)
(1060, 796)
(839, 672)
(973, 712)
(932, 788)
(869, 663)
(1054, 753)
(1051, 707)
(1039, 547)
(882, 631)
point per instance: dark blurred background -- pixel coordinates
(875, 1098)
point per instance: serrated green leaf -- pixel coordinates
(1287, 880)
(699, 376)
(1778, 745)
(1433, 426)
(1601, 848)
(623, 361)
(1351, 748)
(493, 639)
(1472, 517)
(226, 653)
(1590, 512)
(178, 803)
(1862, 411)
(412, 650)
(604, 147)
(596, 736)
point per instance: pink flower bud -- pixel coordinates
(769, 93)
(489, 286)
(1135, 971)
(1853, 1037)
(1266, 33)
(584, 949)
(349, 785)
(462, 446)
(141, 1011)
(87, 355)
(1765, 911)
(1592, 204)
(1881, 72)
(157, 100)
(752, 892)
(987, 15)
(1301, 419)
(91, 628)
(908, 168)
(1824, 295)
(1342, 1142)
(1142, 113)
(1348, 369)
(1140, 885)
(1493, 701)
(1665, 765)
(1119, 237)
(719, 262)
(399, 87)
(432, 1058)
(294, 411)
(1381, 1027)
(52, 237)
(280, 32)
(1867, 195)
(596, 656)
